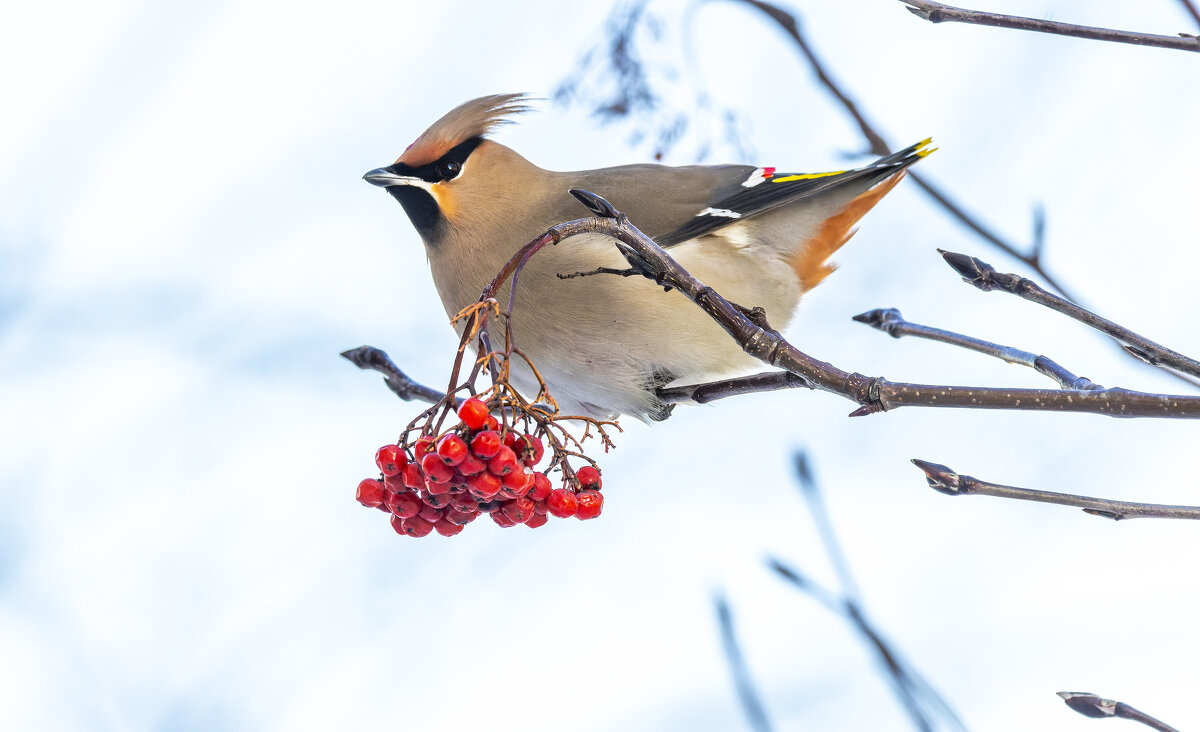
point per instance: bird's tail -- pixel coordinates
(811, 262)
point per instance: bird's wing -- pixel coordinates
(764, 189)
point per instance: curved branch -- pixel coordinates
(890, 321)
(939, 13)
(944, 480)
(1091, 705)
(984, 276)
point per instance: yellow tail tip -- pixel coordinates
(921, 151)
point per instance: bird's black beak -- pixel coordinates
(385, 178)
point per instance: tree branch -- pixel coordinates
(939, 13)
(370, 358)
(879, 146)
(1091, 705)
(984, 276)
(1191, 10)
(873, 394)
(714, 390)
(890, 321)
(945, 480)
(752, 706)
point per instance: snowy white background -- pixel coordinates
(186, 245)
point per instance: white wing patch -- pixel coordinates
(760, 175)
(724, 212)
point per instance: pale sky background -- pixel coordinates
(186, 245)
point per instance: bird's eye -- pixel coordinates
(448, 169)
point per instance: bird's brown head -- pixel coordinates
(426, 178)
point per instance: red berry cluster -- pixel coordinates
(442, 484)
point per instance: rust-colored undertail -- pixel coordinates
(811, 262)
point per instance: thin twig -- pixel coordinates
(984, 276)
(912, 690)
(1091, 705)
(939, 13)
(370, 358)
(811, 492)
(714, 390)
(890, 321)
(879, 146)
(752, 706)
(945, 480)
(1191, 10)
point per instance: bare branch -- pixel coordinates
(917, 695)
(984, 276)
(370, 358)
(1091, 705)
(756, 712)
(938, 13)
(1191, 10)
(714, 390)
(945, 480)
(873, 394)
(890, 321)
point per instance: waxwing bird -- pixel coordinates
(604, 343)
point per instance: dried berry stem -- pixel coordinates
(945, 480)
(890, 321)
(936, 12)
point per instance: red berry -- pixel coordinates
(464, 502)
(395, 483)
(539, 507)
(415, 526)
(437, 489)
(404, 505)
(589, 477)
(435, 470)
(413, 477)
(517, 483)
(510, 440)
(541, 487)
(504, 463)
(462, 518)
(473, 413)
(529, 449)
(422, 447)
(430, 514)
(486, 444)
(447, 528)
(452, 449)
(590, 503)
(502, 519)
(493, 424)
(391, 459)
(537, 520)
(370, 493)
(484, 485)
(519, 510)
(437, 500)
(562, 503)
(471, 465)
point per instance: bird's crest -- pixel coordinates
(475, 118)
